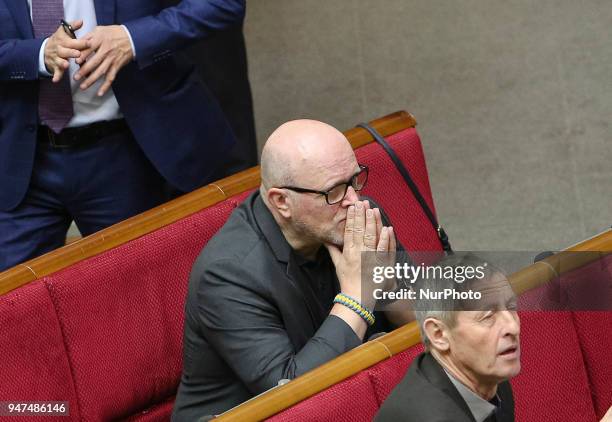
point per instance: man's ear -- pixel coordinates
(280, 201)
(437, 334)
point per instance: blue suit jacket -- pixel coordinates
(173, 117)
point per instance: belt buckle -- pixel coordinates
(53, 139)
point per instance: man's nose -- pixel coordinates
(512, 323)
(350, 198)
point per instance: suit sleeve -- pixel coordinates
(248, 331)
(19, 59)
(156, 37)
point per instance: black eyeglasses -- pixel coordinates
(338, 192)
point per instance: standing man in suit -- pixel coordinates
(101, 127)
(267, 297)
(472, 350)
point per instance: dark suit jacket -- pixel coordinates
(426, 394)
(172, 115)
(251, 318)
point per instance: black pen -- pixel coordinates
(68, 29)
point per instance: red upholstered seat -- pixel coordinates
(553, 383)
(352, 400)
(122, 316)
(34, 363)
(595, 335)
(585, 288)
(388, 373)
(386, 186)
(357, 398)
(580, 288)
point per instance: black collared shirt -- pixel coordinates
(322, 280)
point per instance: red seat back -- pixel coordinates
(553, 383)
(388, 373)
(352, 400)
(34, 363)
(122, 316)
(386, 186)
(595, 335)
(576, 290)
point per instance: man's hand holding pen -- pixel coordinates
(60, 48)
(101, 53)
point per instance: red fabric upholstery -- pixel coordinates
(122, 316)
(590, 287)
(386, 186)
(553, 384)
(582, 289)
(388, 373)
(595, 335)
(34, 362)
(352, 400)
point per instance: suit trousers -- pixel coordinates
(95, 185)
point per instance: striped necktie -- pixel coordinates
(54, 99)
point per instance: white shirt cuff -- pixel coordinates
(131, 41)
(42, 69)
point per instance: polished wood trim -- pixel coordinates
(354, 361)
(567, 260)
(169, 212)
(600, 242)
(387, 125)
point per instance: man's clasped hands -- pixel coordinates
(111, 45)
(363, 232)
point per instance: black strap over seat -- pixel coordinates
(413, 187)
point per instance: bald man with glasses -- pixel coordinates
(277, 292)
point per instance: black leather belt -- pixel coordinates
(74, 137)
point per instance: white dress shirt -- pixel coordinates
(88, 107)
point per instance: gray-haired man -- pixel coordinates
(472, 349)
